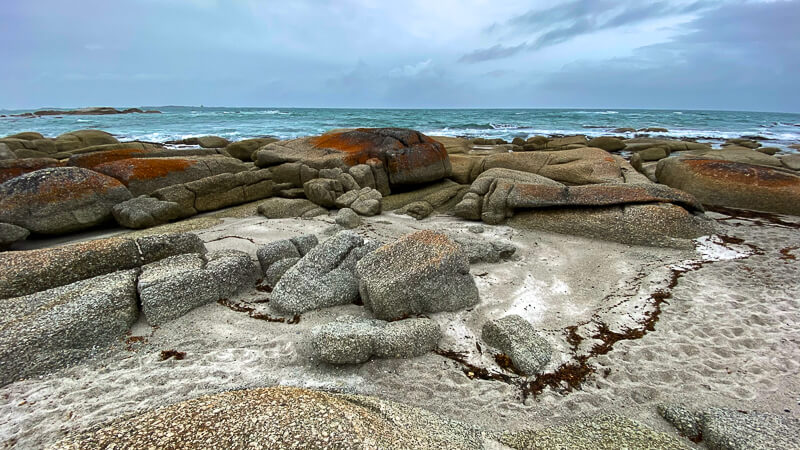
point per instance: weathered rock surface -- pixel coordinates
(733, 429)
(277, 257)
(60, 200)
(203, 141)
(91, 157)
(324, 277)
(419, 273)
(10, 234)
(146, 175)
(350, 340)
(27, 272)
(603, 432)
(12, 168)
(173, 286)
(733, 184)
(145, 212)
(441, 196)
(283, 208)
(517, 338)
(405, 157)
(740, 155)
(57, 327)
(260, 418)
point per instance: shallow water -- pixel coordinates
(179, 122)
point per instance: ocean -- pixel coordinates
(178, 122)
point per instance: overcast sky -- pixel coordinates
(693, 54)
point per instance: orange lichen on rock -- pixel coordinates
(127, 170)
(91, 160)
(14, 168)
(742, 173)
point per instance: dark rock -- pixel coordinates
(10, 234)
(347, 219)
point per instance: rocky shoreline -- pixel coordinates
(386, 267)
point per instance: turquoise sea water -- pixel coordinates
(178, 122)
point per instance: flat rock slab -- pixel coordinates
(57, 327)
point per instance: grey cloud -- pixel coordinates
(576, 18)
(495, 52)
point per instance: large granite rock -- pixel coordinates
(420, 273)
(203, 141)
(146, 175)
(30, 271)
(12, 168)
(324, 277)
(278, 417)
(733, 184)
(607, 143)
(60, 200)
(350, 340)
(405, 156)
(365, 201)
(52, 329)
(517, 338)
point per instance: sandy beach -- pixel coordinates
(725, 337)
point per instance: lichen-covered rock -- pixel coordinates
(10, 234)
(57, 327)
(349, 340)
(145, 212)
(60, 200)
(407, 156)
(146, 175)
(323, 277)
(284, 208)
(733, 184)
(12, 168)
(233, 270)
(418, 210)
(517, 338)
(419, 273)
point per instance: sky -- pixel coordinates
(681, 54)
